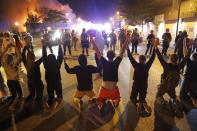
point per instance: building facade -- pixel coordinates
(187, 21)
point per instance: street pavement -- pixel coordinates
(68, 118)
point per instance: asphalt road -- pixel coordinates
(67, 116)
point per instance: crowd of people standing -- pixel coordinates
(14, 52)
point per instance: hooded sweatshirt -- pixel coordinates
(52, 65)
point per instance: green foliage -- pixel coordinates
(137, 10)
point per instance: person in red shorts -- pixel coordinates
(109, 90)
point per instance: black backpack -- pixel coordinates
(172, 79)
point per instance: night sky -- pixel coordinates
(93, 10)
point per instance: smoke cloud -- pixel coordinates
(16, 10)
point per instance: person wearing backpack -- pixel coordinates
(171, 75)
(140, 79)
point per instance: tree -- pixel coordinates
(32, 19)
(50, 15)
(137, 11)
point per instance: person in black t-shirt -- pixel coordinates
(189, 84)
(149, 45)
(109, 89)
(166, 42)
(84, 78)
(140, 78)
(176, 40)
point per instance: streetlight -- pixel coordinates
(16, 23)
(177, 28)
(117, 12)
(79, 19)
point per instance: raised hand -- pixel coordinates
(156, 43)
(191, 42)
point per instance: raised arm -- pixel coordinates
(184, 47)
(162, 61)
(68, 69)
(132, 60)
(188, 53)
(60, 55)
(19, 57)
(95, 48)
(44, 50)
(151, 60)
(94, 69)
(24, 56)
(44, 54)
(125, 45)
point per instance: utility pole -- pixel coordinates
(179, 9)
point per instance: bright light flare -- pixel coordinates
(48, 28)
(108, 39)
(16, 24)
(56, 35)
(117, 12)
(79, 19)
